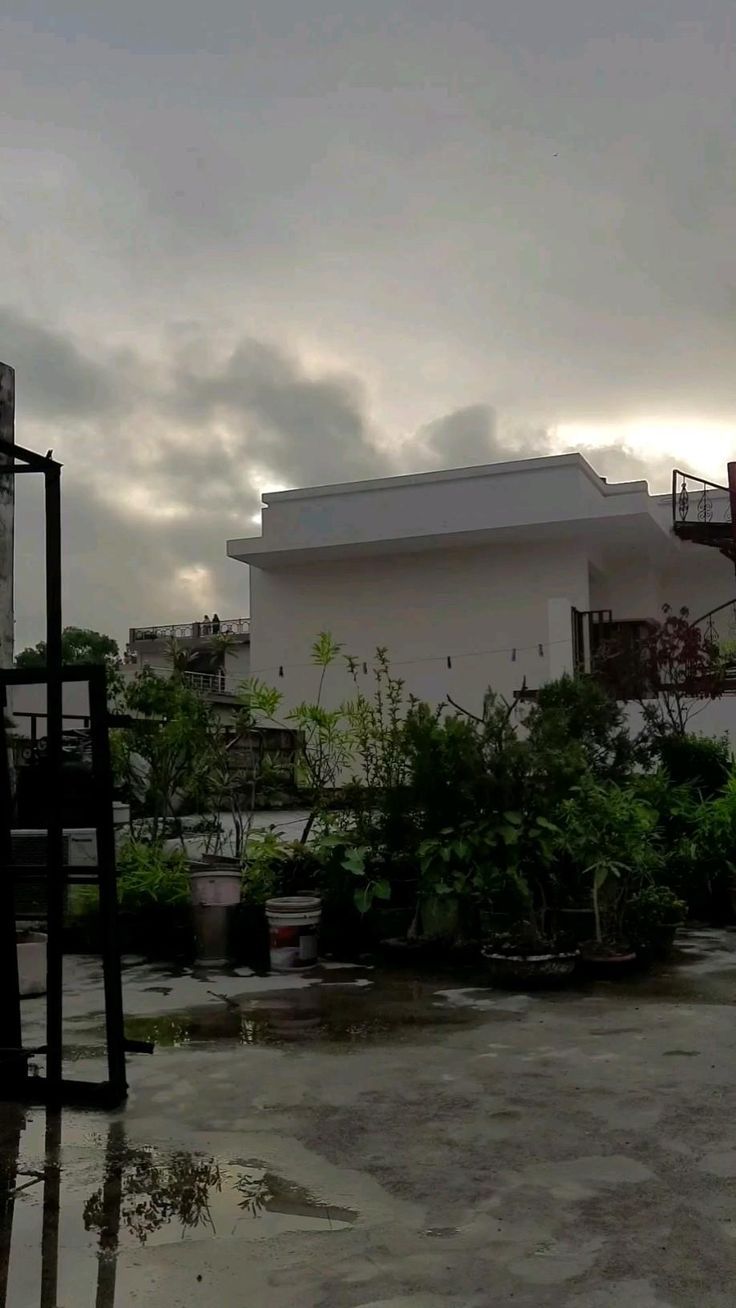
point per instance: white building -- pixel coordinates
(216, 668)
(216, 655)
(473, 577)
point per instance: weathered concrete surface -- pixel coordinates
(414, 1144)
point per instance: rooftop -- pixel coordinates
(546, 498)
(191, 631)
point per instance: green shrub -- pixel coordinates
(698, 761)
(712, 847)
(649, 913)
(149, 874)
(574, 721)
(609, 837)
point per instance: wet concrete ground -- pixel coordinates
(367, 1140)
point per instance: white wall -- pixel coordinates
(237, 665)
(635, 585)
(475, 605)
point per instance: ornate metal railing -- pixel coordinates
(192, 630)
(719, 628)
(696, 501)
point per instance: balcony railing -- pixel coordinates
(192, 630)
(211, 683)
(698, 502)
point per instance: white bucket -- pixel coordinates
(214, 887)
(293, 926)
(32, 964)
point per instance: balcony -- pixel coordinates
(191, 631)
(701, 512)
(211, 683)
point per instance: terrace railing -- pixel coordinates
(191, 630)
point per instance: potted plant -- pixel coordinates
(653, 916)
(524, 885)
(609, 839)
(609, 950)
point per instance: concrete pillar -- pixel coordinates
(559, 636)
(7, 519)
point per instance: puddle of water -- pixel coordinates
(72, 1199)
(386, 1007)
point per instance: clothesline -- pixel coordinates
(447, 658)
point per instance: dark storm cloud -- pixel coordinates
(53, 377)
(492, 219)
(300, 427)
(197, 440)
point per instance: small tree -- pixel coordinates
(176, 737)
(324, 745)
(78, 645)
(671, 673)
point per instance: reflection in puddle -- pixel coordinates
(396, 1008)
(84, 1202)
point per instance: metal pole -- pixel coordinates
(51, 1211)
(107, 883)
(54, 846)
(10, 1023)
(10, 1020)
(10, 1133)
(7, 517)
(112, 1197)
(732, 498)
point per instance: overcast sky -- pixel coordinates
(263, 243)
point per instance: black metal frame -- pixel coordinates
(15, 1178)
(15, 1083)
(688, 490)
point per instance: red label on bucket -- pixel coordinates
(293, 946)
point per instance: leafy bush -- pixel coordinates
(149, 874)
(576, 723)
(653, 910)
(609, 835)
(699, 761)
(274, 866)
(713, 847)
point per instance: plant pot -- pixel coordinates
(31, 947)
(659, 944)
(439, 916)
(215, 890)
(547, 967)
(293, 925)
(607, 961)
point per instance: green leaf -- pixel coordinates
(549, 826)
(363, 899)
(514, 818)
(382, 890)
(354, 860)
(600, 877)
